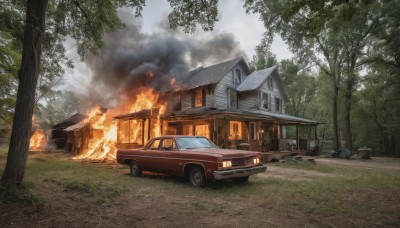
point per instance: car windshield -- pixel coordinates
(187, 143)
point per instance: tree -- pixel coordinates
(263, 57)
(334, 36)
(300, 86)
(86, 22)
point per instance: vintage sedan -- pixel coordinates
(194, 157)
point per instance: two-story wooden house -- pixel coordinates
(234, 108)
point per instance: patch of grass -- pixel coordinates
(101, 191)
(306, 165)
(22, 194)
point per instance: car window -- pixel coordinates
(168, 144)
(194, 143)
(155, 145)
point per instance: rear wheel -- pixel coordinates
(197, 177)
(135, 169)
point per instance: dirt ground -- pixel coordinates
(149, 207)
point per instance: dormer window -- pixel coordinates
(237, 76)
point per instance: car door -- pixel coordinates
(171, 159)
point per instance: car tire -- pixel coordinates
(241, 179)
(135, 169)
(197, 177)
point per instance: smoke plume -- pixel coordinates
(131, 60)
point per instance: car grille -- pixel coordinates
(242, 162)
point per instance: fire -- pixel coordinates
(38, 141)
(148, 99)
(103, 131)
(102, 145)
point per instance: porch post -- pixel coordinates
(297, 137)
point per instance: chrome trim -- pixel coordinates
(243, 172)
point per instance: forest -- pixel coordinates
(345, 72)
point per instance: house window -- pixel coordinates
(270, 83)
(264, 101)
(237, 76)
(187, 130)
(277, 104)
(253, 130)
(233, 99)
(202, 130)
(198, 97)
(235, 130)
(178, 105)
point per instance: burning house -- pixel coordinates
(226, 103)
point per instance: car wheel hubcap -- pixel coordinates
(197, 177)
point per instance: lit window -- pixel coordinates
(198, 98)
(202, 130)
(235, 130)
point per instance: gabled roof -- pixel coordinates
(72, 120)
(212, 74)
(255, 79)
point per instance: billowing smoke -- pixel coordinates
(131, 60)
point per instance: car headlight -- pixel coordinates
(226, 164)
(256, 161)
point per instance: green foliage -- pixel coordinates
(59, 106)
(186, 14)
(300, 86)
(263, 57)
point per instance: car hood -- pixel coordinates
(224, 152)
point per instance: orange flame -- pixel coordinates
(102, 145)
(38, 141)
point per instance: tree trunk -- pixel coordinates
(347, 124)
(28, 77)
(335, 123)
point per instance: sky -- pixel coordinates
(246, 30)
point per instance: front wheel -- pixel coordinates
(197, 177)
(135, 169)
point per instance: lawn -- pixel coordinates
(84, 194)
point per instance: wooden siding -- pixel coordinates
(221, 89)
(272, 94)
(249, 100)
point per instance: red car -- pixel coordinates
(194, 157)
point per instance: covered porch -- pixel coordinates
(254, 130)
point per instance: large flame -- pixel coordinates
(102, 145)
(38, 141)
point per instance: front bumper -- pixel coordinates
(241, 172)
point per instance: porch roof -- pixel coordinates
(206, 113)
